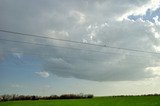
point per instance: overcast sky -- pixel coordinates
(67, 67)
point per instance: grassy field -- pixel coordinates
(98, 101)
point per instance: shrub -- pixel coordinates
(33, 97)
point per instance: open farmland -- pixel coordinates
(97, 101)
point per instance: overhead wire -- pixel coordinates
(71, 41)
(54, 46)
(63, 47)
(90, 60)
(47, 37)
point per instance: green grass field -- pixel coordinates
(98, 101)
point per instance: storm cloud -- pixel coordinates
(84, 21)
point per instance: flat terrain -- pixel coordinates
(98, 101)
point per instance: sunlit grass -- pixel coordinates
(97, 101)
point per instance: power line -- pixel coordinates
(106, 53)
(63, 47)
(106, 46)
(54, 46)
(90, 60)
(64, 40)
(49, 55)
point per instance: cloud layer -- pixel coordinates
(85, 21)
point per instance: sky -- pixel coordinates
(68, 67)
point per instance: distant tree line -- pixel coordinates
(15, 97)
(137, 95)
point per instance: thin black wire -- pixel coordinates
(90, 60)
(57, 56)
(71, 41)
(63, 47)
(54, 46)
(104, 53)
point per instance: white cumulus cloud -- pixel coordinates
(43, 74)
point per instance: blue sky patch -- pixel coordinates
(150, 14)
